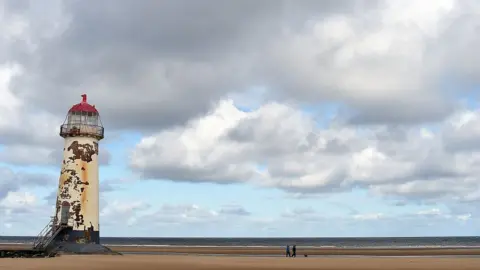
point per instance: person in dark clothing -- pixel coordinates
(294, 251)
(287, 252)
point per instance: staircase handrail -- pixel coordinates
(52, 237)
(43, 233)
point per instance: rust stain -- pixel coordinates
(84, 191)
(63, 178)
(78, 217)
(83, 152)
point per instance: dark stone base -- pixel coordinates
(74, 248)
(69, 241)
(79, 237)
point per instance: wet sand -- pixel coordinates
(270, 251)
(180, 262)
(280, 251)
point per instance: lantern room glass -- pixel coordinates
(80, 123)
(83, 118)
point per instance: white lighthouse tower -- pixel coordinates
(75, 225)
(78, 194)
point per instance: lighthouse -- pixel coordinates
(75, 226)
(77, 206)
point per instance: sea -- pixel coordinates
(343, 242)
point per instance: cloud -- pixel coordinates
(370, 216)
(19, 201)
(311, 221)
(19, 208)
(188, 159)
(431, 215)
(181, 214)
(281, 146)
(191, 214)
(139, 217)
(117, 211)
(234, 210)
(355, 53)
(14, 181)
(29, 137)
(22, 126)
(107, 186)
(51, 198)
(363, 60)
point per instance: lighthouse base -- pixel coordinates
(77, 248)
(69, 241)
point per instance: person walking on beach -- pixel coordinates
(287, 252)
(294, 251)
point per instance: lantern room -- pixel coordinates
(83, 120)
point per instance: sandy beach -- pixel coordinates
(180, 262)
(368, 259)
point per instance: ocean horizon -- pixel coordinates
(338, 242)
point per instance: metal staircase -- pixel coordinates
(48, 234)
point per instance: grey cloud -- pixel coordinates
(235, 210)
(183, 29)
(106, 186)
(458, 36)
(332, 182)
(24, 136)
(402, 112)
(51, 198)
(426, 192)
(129, 48)
(12, 181)
(301, 195)
(184, 174)
(172, 58)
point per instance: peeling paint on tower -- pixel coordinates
(76, 187)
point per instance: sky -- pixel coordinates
(248, 118)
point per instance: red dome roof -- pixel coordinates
(83, 106)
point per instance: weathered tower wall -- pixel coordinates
(78, 192)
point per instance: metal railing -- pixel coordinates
(72, 130)
(48, 234)
(43, 234)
